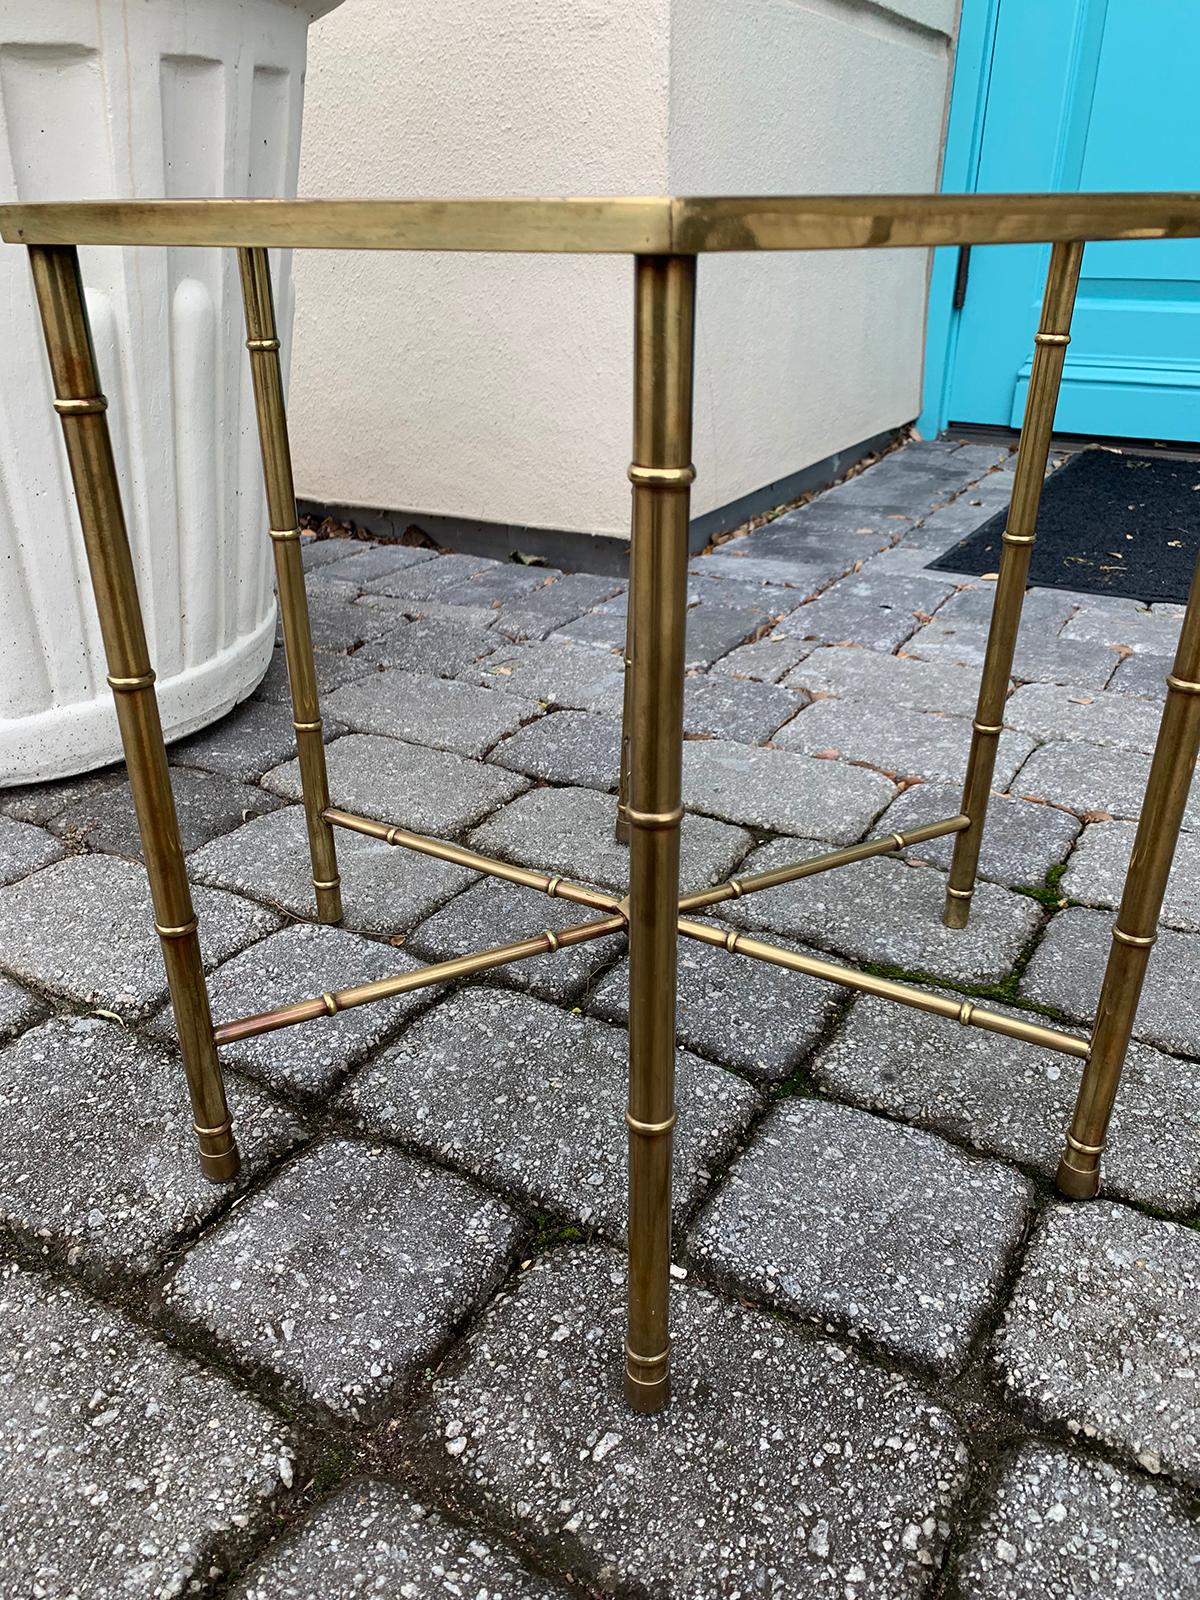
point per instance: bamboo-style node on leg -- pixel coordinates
(661, 474)
(1136, 925)
(81, 408)
(1050, 342)
(262, 341)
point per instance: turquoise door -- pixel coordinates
(1070, 95)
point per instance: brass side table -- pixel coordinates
(664, 236)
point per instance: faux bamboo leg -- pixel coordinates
(622, 828)
(81, 406)
(1050, 344)
(1136, 927)
(262, 341)
(662, 474)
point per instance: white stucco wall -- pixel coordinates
(802, 356)
(497, 388)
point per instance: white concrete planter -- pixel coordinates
(140, 98)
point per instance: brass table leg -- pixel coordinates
(622, 827)
(1136, 926)
(661, 474)
(1050, 344)
(81, 406)
(262, 341)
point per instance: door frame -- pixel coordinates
(973, 54)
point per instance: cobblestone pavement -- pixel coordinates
(386, 1360)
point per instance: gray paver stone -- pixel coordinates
(1096, 872)
(298, 963)
(714, 630)
(438, 610)
(1015, 1100)
(888, 680)
(39, 802)
(570, 747)
(18, 1009)
(316, 552)
(722, 707)
(24, 848)
(1067, 968)
(934, 470)
(949, 524)
(849, 1220)
(1092, 777)
(789, 1466)
(126, 1472)
(496, 586)
(534, 615)
(1102, 1335)
(782, 791)
(429, 791)
(1079, 1529)
(373, 1538)
(257, 735)
(207, 804)
(332, 672)
(797, 573)
(1154, 633)
(438, 712)
(745, 1014)
(385, 889)
(880, 614)
(1142, 675)
(570, 831)
(888, 912)
(532, 1098)
(1021, 841)
(427, 644)
(557, 672)
(909, 744)
(115, 1203)
(739, 589)
(1057, 711)
(825, 547)
(84, 928)
(766, 660)
(1042, 610)
(340, 624)
(306, 1277)
(436, 576)
(853, 509)
(601, 629)
(376, 561)
(495, 913)
(1039, 657)
(1042, 659)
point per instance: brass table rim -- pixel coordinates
(628, 225)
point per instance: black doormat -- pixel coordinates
(1110, 522)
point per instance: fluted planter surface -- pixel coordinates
(139, 98)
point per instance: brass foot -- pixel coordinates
(329, 904)
(1076, 1183)
(647, 1398)
(222, 1166)
(621, 831)
(957, 910)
